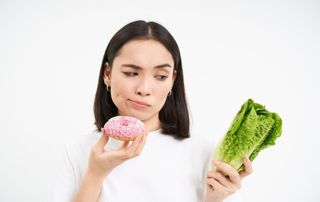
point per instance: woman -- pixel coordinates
(141, 76)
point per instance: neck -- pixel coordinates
(152, 125)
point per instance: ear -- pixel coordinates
(174, 76)
(107, 74)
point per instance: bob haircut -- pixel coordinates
(174, 115)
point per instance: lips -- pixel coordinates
(140, 104)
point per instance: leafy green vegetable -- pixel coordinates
(252, 130)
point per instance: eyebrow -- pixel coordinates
(139, 67)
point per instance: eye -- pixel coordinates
(161, 77)
(131, 74)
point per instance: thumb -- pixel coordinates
(103, 140)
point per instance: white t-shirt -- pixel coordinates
(167, 170)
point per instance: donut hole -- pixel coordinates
(124, 122)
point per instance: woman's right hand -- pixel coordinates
(102, 162)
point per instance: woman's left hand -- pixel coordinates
(225, 181)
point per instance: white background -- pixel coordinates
(232, 50)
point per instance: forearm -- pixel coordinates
(90, 189)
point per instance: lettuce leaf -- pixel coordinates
(252, 130)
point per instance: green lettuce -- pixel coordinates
(252, 130)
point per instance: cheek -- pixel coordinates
(162, 92)
(120, 93)
(120, 90)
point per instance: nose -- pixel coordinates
(143, 87)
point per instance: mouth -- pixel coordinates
(139, 104)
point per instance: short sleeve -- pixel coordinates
(64, 186)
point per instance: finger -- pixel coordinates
(103, 140)
(228, 171)
(137, 147)
(247, 167)
(135, 143)
(214, 185)
(142, 143)
(220, 178)
(124, 145)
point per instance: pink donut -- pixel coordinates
(124, 128)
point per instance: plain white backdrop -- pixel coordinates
(50, 54)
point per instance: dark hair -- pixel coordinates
(174, 115)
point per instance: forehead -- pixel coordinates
(147, 52)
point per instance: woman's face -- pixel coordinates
(140, 79)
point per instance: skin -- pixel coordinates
(142, 72)
(225, 180)
(140, 80)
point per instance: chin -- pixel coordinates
(141, 115)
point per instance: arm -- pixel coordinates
(101, 164)
(225, 181)
(89, 189)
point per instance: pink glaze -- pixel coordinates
(124, 127)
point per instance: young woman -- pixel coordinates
(141, 76)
